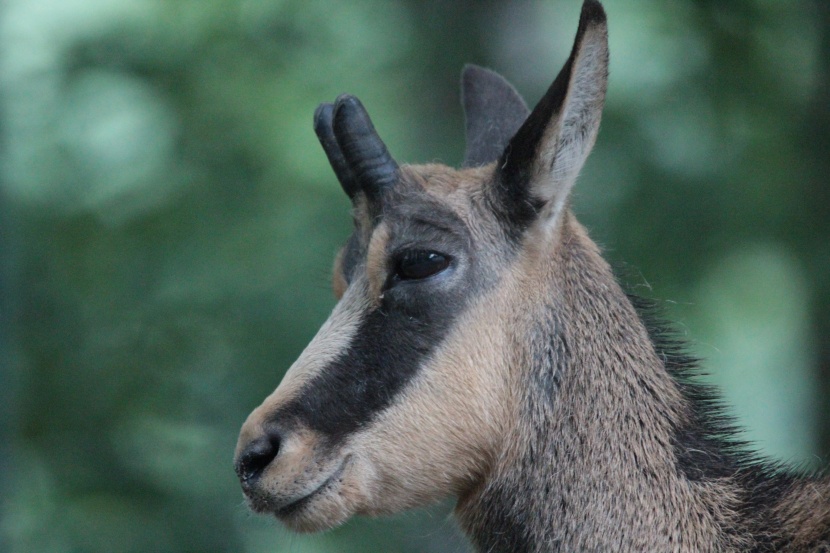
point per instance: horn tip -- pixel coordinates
(323, 116)
(348, 103)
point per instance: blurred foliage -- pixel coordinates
(168, 221)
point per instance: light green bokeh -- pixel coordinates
(168, 223)
(753, 309)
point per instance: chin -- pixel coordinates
(317, 514)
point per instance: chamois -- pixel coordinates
(482, 348)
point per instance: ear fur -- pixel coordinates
(493, 112)
(540, 164)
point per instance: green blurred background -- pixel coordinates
(168, 221)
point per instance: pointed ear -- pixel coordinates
(540, 164)
(493, 112)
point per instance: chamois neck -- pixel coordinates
(612, 449)
(589, 463)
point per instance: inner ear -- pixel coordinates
(540, 164)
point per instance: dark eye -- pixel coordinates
(420, 264)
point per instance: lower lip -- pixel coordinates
(292, 508)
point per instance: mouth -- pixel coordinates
(299, 504)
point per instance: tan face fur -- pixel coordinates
(441, 432)
(407, 393)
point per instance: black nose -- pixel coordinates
(256, 456)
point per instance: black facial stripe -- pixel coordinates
(387, 351)
(395, 339)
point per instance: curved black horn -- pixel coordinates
(363, 150)
(325, 133)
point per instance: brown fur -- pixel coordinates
(606, 451)
(547, 405)
(607, 448)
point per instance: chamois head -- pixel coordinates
(405, 394)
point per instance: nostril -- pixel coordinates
(256, 456)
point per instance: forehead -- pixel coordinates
(458, 189)
(431, 197)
